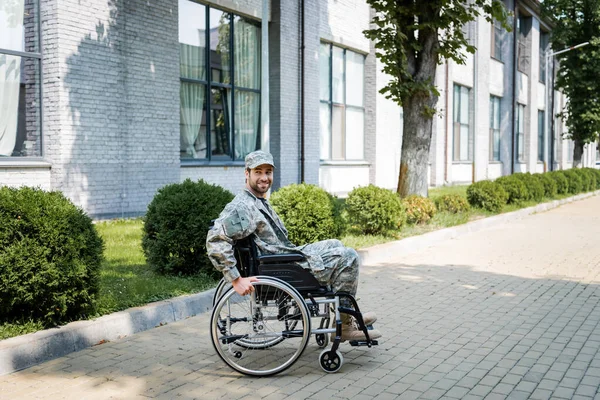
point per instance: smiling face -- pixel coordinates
(259, 180)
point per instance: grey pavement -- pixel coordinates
(502, 308)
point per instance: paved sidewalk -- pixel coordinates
(509, 311)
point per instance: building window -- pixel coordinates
(20, 97)
(523, 28)
(494, 128)
(461, 131)
(598, 152)
(541, 136)
(220, 60)
(498, 35)
(342, 112)
(520, 132)
(544, 40)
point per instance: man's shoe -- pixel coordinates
(350, 331)
(369, 318)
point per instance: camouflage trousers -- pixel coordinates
(341, 266)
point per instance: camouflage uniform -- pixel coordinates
(329, 260)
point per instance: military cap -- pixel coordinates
(257, 158)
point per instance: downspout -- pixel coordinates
(551, 112)
(264, 98)
(514, 87)
(475, 96)
(302, 46)
(447, 120)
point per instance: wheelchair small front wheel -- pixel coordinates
(322, 340)
(331, 361)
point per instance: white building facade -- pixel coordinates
(107, 101)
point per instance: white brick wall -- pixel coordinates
(32, 176)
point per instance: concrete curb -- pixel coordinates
(25, 351)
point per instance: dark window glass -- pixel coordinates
(20, 100)
(220, 87)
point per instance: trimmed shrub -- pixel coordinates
(562, 183)
(487, 195)
(309, 213)
(586, 181)
(535, 188)
(515, 188)
(374, 210)
(452, 203)
(50, 257)
(176, 224)
(596, 173)
(589, 178)
(419, 209)
(550, 187)
(575, 181)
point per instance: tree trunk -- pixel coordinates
(577, 154)
(416, 141)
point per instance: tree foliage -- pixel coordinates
(577, 22)
(408, 33)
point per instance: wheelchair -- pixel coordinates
(265, 333)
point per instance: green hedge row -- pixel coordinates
(520, 187)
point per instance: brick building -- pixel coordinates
(109, 100)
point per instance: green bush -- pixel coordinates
(589, 178)
(374, 210)
(535, 188)
(562, 183)
(514, 187)
(419, 209)
(50, 257)
(452, 203)
(586, 181)
(575, 181)
(596, 173)
(176, 224)
(487, 195)
(550, 187)
(309, 213)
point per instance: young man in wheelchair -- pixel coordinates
(250, 214)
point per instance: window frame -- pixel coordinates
(541, 136)
(457, 106)
(495, 101)
(520, 142)
(544, 37)
(344, 106)
(498, 34)
(210, 84)
(38, 57)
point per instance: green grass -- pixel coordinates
(126, 280)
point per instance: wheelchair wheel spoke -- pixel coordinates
(261, 334)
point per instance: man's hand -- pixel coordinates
(243, 286)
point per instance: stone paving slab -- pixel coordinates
(509, 311)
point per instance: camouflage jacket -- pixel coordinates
(244, 216)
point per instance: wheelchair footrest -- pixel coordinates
(362, 343)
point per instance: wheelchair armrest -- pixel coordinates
(280, 258)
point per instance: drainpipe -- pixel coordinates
(475, 96)
(551, 133)
(302, 47)
(264, 98)
(447, 120)
(514, 87)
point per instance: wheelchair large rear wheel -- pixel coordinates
(222, 287)
(263, 333)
